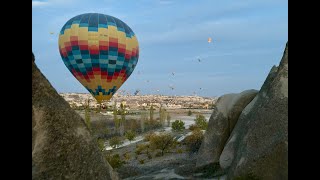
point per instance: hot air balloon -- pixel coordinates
(209, 40)
(101, 52)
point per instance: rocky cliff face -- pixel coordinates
(220, 126)
(62, 147)
(258, 145)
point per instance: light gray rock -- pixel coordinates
(223, 119)
(62, 147)
(258, 145)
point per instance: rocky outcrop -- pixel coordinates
(222, 121)
(258, 145)
(62, 147)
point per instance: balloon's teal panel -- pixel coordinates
(101, 51)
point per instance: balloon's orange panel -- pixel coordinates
(101, 51)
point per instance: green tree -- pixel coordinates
(115, 141)
(168, 119)
(123, 118)
(201, 122)
(115, 118)
(178, 125)
(130, 135)
(162, 141)
(87, 115)
(162, 115)
(151, 112)
(143, 120)
(189, 113)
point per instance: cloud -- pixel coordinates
(39, 3)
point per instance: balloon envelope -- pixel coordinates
(101, 51)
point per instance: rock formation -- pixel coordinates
(62, 147)
(222, 121)
(258, 145)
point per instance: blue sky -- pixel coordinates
(248, 38)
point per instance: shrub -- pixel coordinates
(115, 141)
(130, 135)
(138, 152)
(189, 113)
(163, 142)
(141, 161)
(101, 144)
(127, 156)
(142, 148)
(178, 125)
(158, 154)
(193, 127)
(194, 141)
(179, 151)
(148, 136)
(201, 122)
(114, 160)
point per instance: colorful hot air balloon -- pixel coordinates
(101, 51)
(209, 40)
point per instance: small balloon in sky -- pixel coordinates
(136, 92)
(209, 40)
(100, 51)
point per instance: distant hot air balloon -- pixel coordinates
(136, 92)
(51, 32)
(209, 40)
(101, 51)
